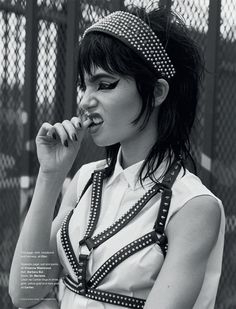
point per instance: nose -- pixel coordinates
(88, 101)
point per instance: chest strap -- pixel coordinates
(79, 266)
(122, 255)
(88, 288)
(97, 240)
(164, 187)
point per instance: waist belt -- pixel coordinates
(88, 288)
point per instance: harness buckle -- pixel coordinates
(88, 247)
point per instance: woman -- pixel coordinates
(138, 229)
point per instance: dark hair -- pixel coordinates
(176, 115)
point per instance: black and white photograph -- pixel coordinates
(117, 154)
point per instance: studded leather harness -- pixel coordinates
(88, 287)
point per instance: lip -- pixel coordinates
(93, 115)
(93, 128)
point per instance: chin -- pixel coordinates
(103, 142)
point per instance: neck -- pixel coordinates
(137, 149)
(130, 157)
(138, 146)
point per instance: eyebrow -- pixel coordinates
(96, 77)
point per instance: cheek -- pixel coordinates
(125, 111)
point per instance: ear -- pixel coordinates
(161, 91)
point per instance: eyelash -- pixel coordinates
(108, 86)
(101, 86)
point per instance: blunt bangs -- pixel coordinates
(101, 50)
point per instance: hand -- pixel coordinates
(58, 144)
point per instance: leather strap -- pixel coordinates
(121, 255)
(106, 296)
(96, 196)
(88, 289)
(125, 219)
(167, 183)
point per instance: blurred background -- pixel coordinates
(38, 44)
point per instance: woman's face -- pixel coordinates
(112, 102)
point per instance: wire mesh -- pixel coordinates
(50, 104)
(46, 75)
(195, 16)
(224, 164)
(15, 3)
(12, 46)
(50, 80)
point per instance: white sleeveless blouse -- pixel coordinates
(136, 275)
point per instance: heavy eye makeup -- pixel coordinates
(100, 85)
(107, 86)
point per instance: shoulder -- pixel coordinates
(188, 183)
(196, 225)
(196, 215)
(187, 189)
(201, 211)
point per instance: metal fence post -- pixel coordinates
(213, 37)
(29, 90)
(60, 73)
(72, 35)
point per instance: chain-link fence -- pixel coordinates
(224, 146)
(12, 58)
(38, 43)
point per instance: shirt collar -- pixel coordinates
(131, 173)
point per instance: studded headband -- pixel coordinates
(136, 34)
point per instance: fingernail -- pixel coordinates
(54, 136)
(75, 137)
(66, 143)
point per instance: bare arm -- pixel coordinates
(192, 233)
(38, 233)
